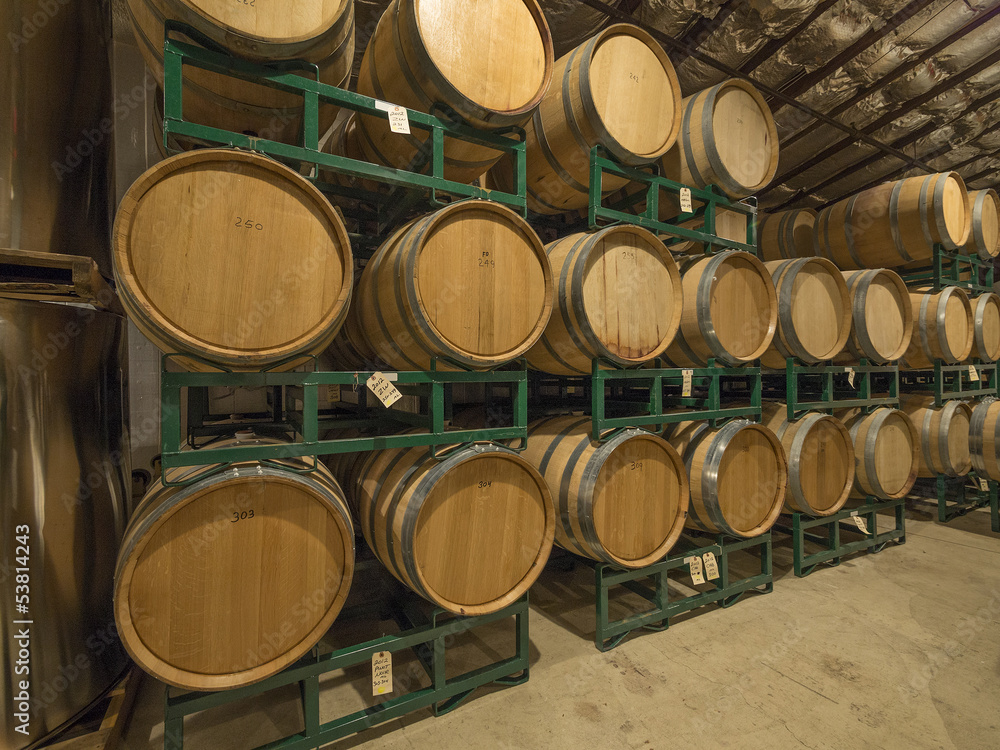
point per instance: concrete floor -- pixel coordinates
(895, 650)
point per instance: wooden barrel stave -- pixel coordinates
(469, 533)
(886, 447)
(944, 435)
(622, 502)
(730, 311)
(178, 252)
(820, 459)
(619, 299)
(469, 283)
(206, 602)
(722, 464)
(787, 234)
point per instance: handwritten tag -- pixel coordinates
(384, 391)
(973, 373)
(399, 121)
(860, 523)
(381, 673)
(850, 376)
(711, 566)
(697, 577)
(686, 206)
(688, 375)
(984, 486)
(333, 394)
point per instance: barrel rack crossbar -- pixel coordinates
(428, 637)
(178, 54)
(627, 211)
(647, 395)
(949, 382)
(947, 269)
(828, 387)
(652, 584)
(957, 496)
(826, 532)
(306, 422)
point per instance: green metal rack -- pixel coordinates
(429, 637)
(833, 548)
(652, 584)
(617, 398)
(304, 425)
(824, 388)
(947, 268)
(949, 382)
(957, 496)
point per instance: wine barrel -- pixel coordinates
(984, 438)
(986, 327)
(738, 474)
(265, 32)
(984, 239)
(228, 579)
(469, 533)
(820, 459)
(469, 283)
(350, 349)
(895, 223)
(730, 310)
(619, 91)
(233, 258)
(787, 234)
(728, 139)
(489, 62)
(814, 311)
(882, 319)
(944, 329)
(619, 299)
(886, 448)
(622, 501)
(944, 435)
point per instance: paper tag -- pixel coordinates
(688, 375)
(384, 391)
(697, 578)
(984, 486)
(862, 526)
(850, 376)
(686, 206)
(399, 121)
(333, 394)
(381, 673)
(711, 566)
(973, 373)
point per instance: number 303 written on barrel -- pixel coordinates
(247, 514)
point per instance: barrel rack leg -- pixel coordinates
(959, 498)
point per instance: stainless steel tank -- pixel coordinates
(64, 474)
(56, 125)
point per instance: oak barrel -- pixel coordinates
(233, 258)
(489, 62)
(986, 327)
(984, 239)
(470, 283)
(896, 223)
(881, 317)
(618, 298)
(820, 459)
(814, 311)
(470, 532)
(727, 139)
(886, 448)
(619, 91)
(622, 501)
(787, 234)
(984, 438)
(944, 435)
(318, 32)
(943, 327)
(230, 578)
(730, 310)
(738, 475)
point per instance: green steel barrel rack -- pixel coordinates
(653, 584)
(430, 637)
(957, 496)
(948, 382)
(947, 268)
(616, 398)
(825, 388)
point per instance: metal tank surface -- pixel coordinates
(56, 125)
(64, 469)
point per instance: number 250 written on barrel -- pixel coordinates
(244, 223)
